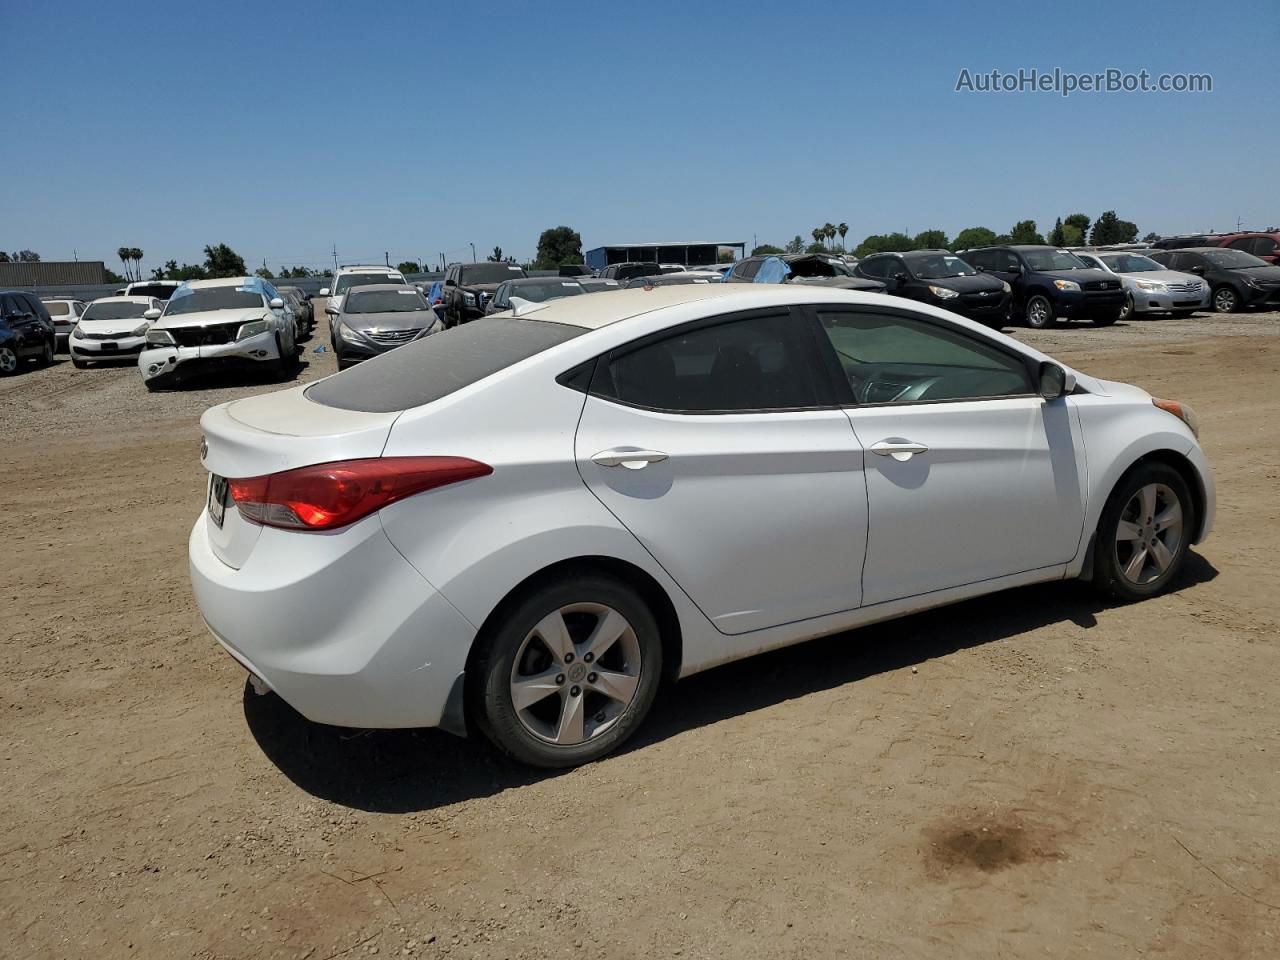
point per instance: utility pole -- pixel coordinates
(335, 258)
(386, 256)
(1239, 222)
(473, 253)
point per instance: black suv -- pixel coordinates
(941, 279)
(1236, 279)
(629, 271)
(26, 331)
(1050, 284)
(469, 286)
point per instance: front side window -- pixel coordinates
(755, 363)
(888, 358)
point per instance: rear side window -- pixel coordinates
(440, 364)
(764, 362)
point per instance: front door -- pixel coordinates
(719, 446)
(970, 474)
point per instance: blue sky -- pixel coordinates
(418, 128)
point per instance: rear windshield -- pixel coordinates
(426, 370)
(543, 291)
(57, 309)
(489, 273)
(161, 291)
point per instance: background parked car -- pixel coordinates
(468, 287)
(804, 268)
(303, 308)
(375, 318)
(598, 284)
(26, 331)
(64, 313)
(941, 278)
(1265, 245)
(352, 275)
(673, 279)
(1236, 279)
(162, 290)
(576, 270)
(532, 290)
(1148, 286)
(630, 270)
(1050, 284)
(112, 328)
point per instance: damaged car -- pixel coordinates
(232, 322)
(811, 269)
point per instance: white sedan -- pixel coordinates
(523, 524)
(111, 328)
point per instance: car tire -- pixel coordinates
(151, 385)
(1137, 554)
(47, 354)
(78, 363)
(344, 364)
(1225, 300)
(1126, 311)
(8, 361)
(1039, 313)
(1107, 321)
(563, 718)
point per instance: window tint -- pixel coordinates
(1263, 246)
(756, 363)
(1242, 243)
(58, 308)
(982, 258)
(895, 359)
(875, 267)
(749, 269)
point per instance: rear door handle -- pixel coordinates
(898, 448)
(629, 457)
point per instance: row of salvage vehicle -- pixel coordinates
(175, 330)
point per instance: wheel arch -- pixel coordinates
(1187, 470)
(664, 610)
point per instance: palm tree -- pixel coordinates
(135, 254)
(829, 231)
(818, 233)
(842, 229)
(123, 253)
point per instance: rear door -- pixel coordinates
(720, 447)
(970, 474)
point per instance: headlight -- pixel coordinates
(1151, 285)
(1253, 281)
(159, 338)
(469, 299)
(78, 333)
(1182, 412)
(1066, 285)
(943, 293)
(139, 330)
(1007, 288)
(253, 329)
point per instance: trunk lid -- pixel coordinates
(274, 432)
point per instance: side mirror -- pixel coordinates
(1055, 381)
(276, 303)
(324, 291)
(152, 314)
(1198, 271)
(900, 277)
(331, 311)
(1014, 268)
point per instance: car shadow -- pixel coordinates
(232, 377)
(400, 771)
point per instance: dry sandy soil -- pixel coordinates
(1033, 774)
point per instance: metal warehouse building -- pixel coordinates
(49, 273)
(699, 253)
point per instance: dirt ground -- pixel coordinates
(1031, 774)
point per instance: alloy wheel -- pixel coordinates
(1148, 534)
(1224, 301)
(8, 360)
(576, 673)
(1127, 310)
(1038, 312)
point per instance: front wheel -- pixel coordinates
(1144, 533)
(1226, 300)
(569, 673)
(1126, 311)
(78, 363)
(8, 362)
(1039, 313)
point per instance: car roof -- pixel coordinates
(220, 282)
(623, 304)
(366, 268)
(135, 298)
(382, 288)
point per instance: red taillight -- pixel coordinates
(329, 495)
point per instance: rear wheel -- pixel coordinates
(47, 352)
(569, 673)
(78, 363)
(1039, 312)
(1144, 533)
(8, 362)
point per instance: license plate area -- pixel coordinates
(218, 494)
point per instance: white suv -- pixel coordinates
(240, 320)
(356, 276)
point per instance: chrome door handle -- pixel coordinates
(901, 450)
(628, 457)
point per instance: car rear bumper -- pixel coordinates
(168, 362)
(340, 625)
